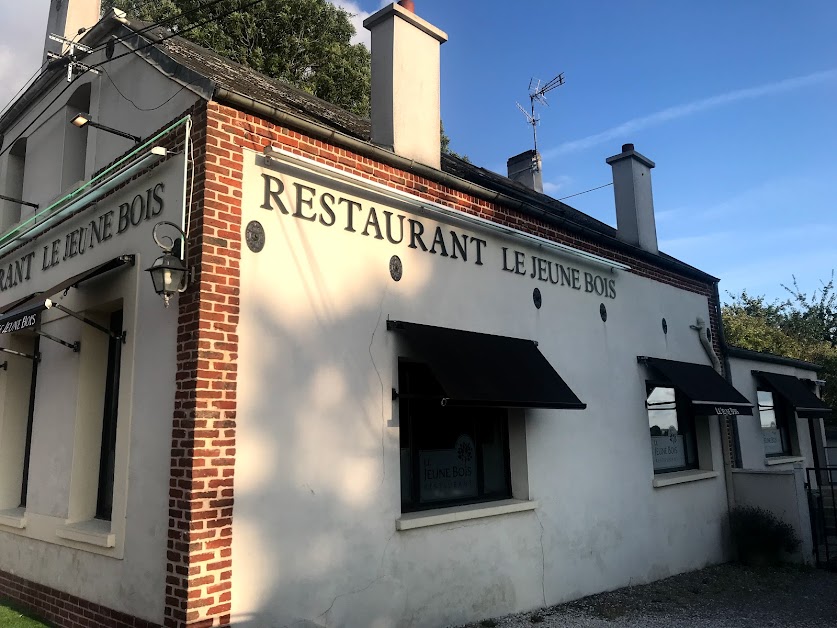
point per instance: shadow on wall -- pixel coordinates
(317, 474)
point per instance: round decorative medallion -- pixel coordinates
(254, 235)
(396, 269)
(665, 326)
(536, 297)
(603, 312)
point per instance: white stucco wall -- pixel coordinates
(130, 575)
(749, 427)
(134, 97)
(317, 467)
(782, 492)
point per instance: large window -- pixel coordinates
(449, 455)
(30, 420)
(107, 458)
(775, 429)
(672, 425)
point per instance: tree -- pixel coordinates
(303, 42)
(802, 327)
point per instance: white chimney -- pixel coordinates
(634, 201)
(66, 18)
(405, 83)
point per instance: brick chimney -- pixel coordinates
(405, 83)
(65, 18)
(526, 168)
(634, 201)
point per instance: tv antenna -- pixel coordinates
(537, 93)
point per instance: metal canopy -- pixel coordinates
(709, 392)
(482, 370)
(26, 312)
(796, 393)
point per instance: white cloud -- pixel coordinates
(681, 111)
(362, 36)
(559, 183)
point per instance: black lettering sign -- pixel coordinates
(310, 204)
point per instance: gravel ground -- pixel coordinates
(725, 596)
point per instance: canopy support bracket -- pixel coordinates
(75, 346)
(35, 358)
(122, 336)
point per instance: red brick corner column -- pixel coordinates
(199, 578)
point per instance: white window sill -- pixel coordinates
(13, 518)
(94, 532)
(412, 520)
(783, 460)
(681, 477)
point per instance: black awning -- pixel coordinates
(709, 392)
(796, 393)
(482, 370)
(25, 311)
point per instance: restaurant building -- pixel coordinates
(390, 389)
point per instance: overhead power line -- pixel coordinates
(585, 191)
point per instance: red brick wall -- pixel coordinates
(199, 575)
(63, 609)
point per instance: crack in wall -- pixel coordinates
(383, 396)
(543, 560)
(381, 575)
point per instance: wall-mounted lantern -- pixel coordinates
(169, 273)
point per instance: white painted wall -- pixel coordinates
(317, 472)
(129, 576)
(133, 97)
(749, 427)
(781, 492)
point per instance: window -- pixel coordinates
(673, 434)
(75, 139)
(16, 414)
(30, 419)
(449, 455)
(107, 457)
(13, 185)
(774, 424)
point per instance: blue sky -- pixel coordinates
(735, 102)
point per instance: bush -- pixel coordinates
(760, 536)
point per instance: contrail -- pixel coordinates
(681, 111)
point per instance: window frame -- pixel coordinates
(685, 413)
(407, 432)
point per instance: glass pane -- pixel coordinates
(771, 431)
(449, 470)
(662, 411)
(494, 452)
(669, 446)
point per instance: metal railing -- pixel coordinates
(821, 483)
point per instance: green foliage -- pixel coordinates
(303, 42)
(759, 536)
(802, 326)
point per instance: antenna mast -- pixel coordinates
(537, 92)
